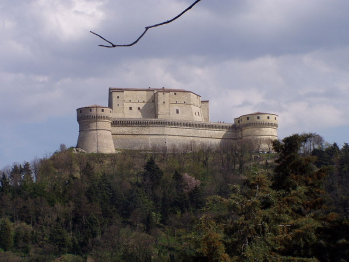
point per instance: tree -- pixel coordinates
(5, 185)
(27, 174)
(6, 237)
(152, 175)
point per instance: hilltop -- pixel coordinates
(211, 205)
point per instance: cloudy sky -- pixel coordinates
(288, 57)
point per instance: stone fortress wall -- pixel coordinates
(171, 119)
(95, 129)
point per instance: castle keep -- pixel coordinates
(153, 119)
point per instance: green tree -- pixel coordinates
(6, 236)
(60, 238)
(152, 174)
(5, 185)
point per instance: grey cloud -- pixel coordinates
(245, 56)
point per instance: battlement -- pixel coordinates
(173, 123)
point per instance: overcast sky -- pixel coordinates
(288, 57)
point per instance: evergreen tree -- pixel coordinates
(152, 174)
(6, 237)
(5, 185)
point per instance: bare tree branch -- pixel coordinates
(146, 29)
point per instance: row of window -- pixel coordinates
(151, 100)
(258, 117)
(130, 108)
(102, 110)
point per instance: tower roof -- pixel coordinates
(258, 113)
(94, 106)
(111, 89)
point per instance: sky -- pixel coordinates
(288, 57)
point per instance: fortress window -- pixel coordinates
(102, 110)
(139, 108)
(248, 118)
(177, 111)
(175, 94)
(130, 108)
(117, 97)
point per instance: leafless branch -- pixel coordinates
(145, 30)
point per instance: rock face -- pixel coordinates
(171, 119)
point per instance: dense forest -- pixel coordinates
(226, 204)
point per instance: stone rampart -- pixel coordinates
(156, 119)
(145, 134)
(95, 129)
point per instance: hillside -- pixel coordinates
(212, 205)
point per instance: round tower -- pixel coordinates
(258, 127)
(95, 129)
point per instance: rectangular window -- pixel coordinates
(102, 110)
(175, 94)
(248, 118)
(268, 117)
(177, 111)
(118, 105)
(117, 97)
(90, 110)
(80, 111)
(130, 108)
(139, 108)
(258, 117)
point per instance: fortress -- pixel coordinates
(161, 118)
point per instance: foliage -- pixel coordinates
(224, 204)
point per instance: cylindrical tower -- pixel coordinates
(95, 129)
(259, 127)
